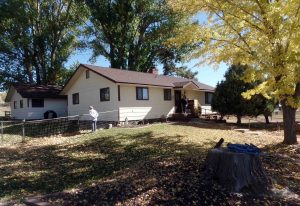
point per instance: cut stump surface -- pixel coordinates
(236, 171)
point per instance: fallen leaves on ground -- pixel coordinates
(157, 165)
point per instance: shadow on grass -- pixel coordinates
(283, 165)
(130, 168)
(55, 168)
(229, 126)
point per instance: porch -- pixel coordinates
(190, 101)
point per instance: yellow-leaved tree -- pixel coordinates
(264, 34)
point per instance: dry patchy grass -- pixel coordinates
(160, 164)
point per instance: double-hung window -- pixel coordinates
(142, 93)
(167, 94)
(37, 102)
(208, 97)
(104, 94)
(75, 98)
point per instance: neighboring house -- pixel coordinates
(4, 107)
(32, 102)
(119, 94)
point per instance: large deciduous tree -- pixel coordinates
(36, 38)
(131, 33)
(264, 34)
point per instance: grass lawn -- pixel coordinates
(276, 117)
(156, 165)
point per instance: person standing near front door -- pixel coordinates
(184, 103)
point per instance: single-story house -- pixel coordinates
(36, 102)
(121, 94)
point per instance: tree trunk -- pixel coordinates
(239, 119)
(38, 75)
(267, 119)
(28, 65)
(289, 124)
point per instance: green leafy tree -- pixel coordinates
(262, 106)
(131, 34)
(37, 38)
(170, 57)
(65, 74)
(228, 100)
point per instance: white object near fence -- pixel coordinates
(23, 130)
(2, 135)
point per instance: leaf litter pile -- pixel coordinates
(158, 165)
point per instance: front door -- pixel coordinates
(178, 101)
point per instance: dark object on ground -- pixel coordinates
(50, 114)
(236, 171)
(219, 144)
(243, 148)
(221, 121)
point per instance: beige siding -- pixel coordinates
(200, 95)
(57, 105)
(18, 113)
(89, 94)
(153, 108)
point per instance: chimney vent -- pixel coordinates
(153, 70)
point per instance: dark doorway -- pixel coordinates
(50, 114)
(178, 101)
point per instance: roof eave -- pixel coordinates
(154, 85)
(63, 92)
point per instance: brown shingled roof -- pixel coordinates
(133, 77)
(39, 91)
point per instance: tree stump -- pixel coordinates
(236, 171)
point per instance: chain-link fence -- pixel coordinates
(18, 131)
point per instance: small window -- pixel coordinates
(167, 94)
(15, 104)
(208, 97)
(28, 102)
(104, 94)
(21, 103)
(142, 93)
(37, 102)
(75, 98)
(87, 74)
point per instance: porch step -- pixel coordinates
(182, 116)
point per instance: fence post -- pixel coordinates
(2, 135)
(78, 122)
(23, 130)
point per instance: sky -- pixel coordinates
(206, 74)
